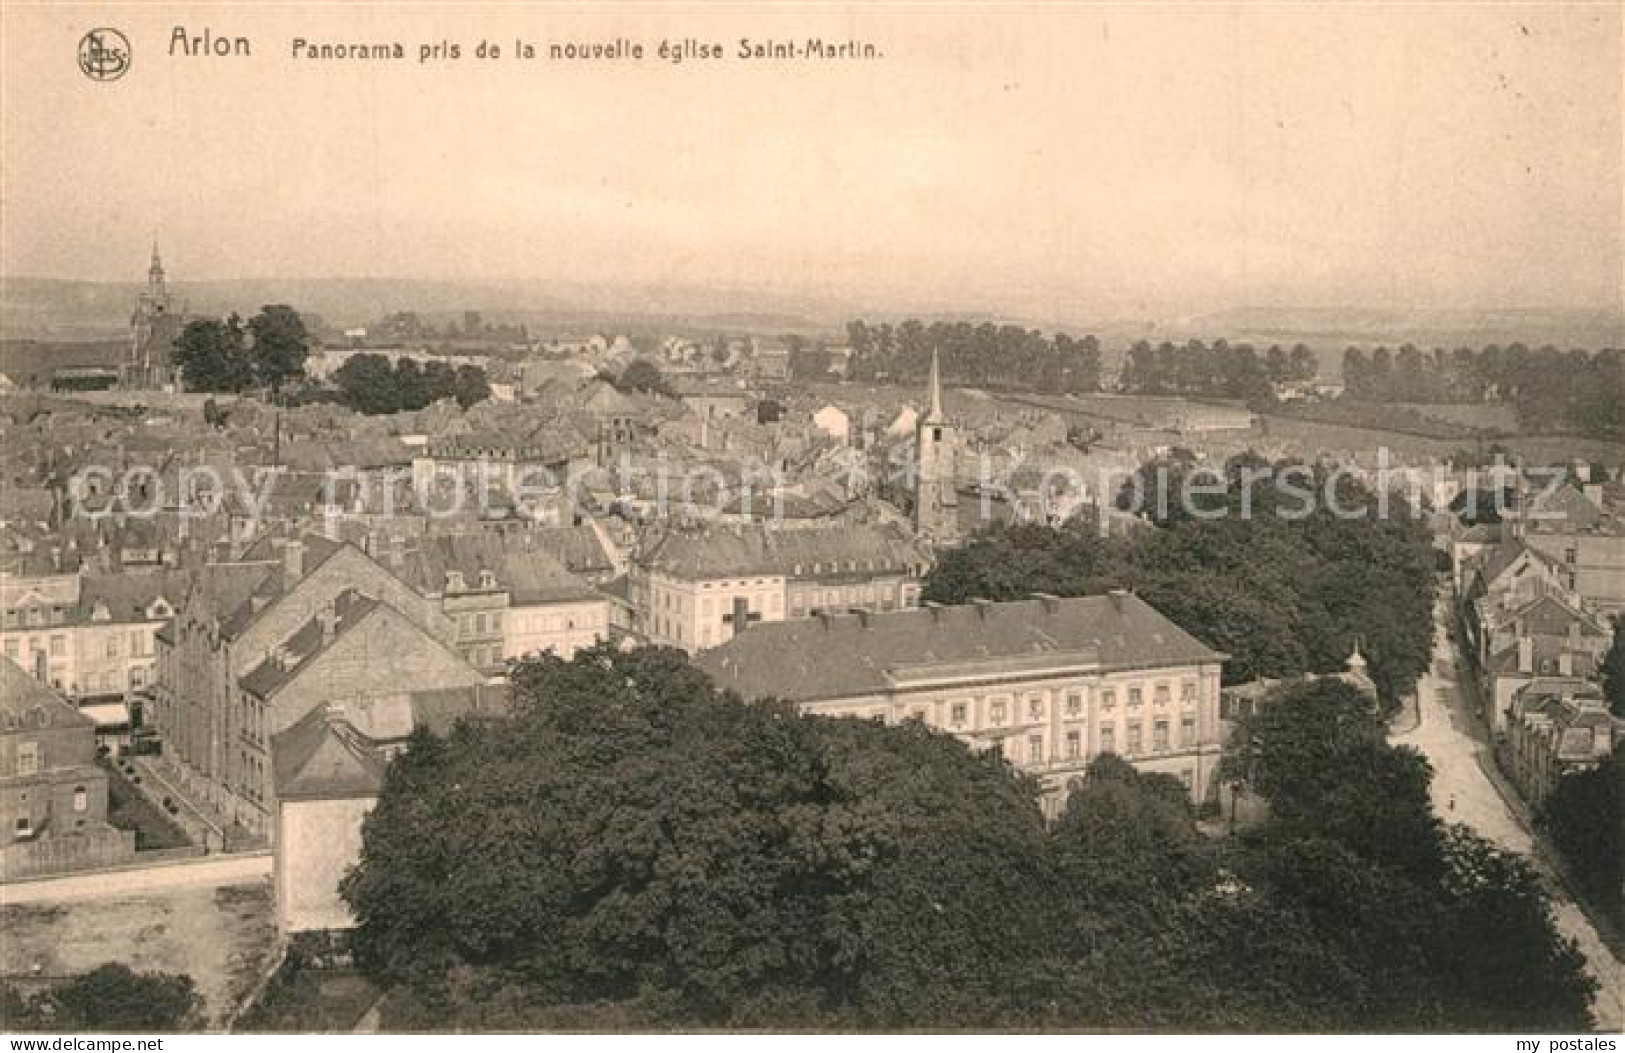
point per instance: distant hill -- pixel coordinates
(62, 309)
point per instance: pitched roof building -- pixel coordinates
(1048, 682)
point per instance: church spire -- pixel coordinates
(934, 414)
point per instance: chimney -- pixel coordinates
(1526, 655)
(1593, 493)
(328, 618)
(293, 559)
(1051, 602)
(827, 618)
(982, 606)
(1117, 595)
(935, 608)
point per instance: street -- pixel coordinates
(1455, 742)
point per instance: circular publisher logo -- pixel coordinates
(104, 54)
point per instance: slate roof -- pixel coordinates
(1562, 510)
(269, 579)
(850, 655)
(721, 552)
(522, 567)
(129, 596)
(1545, 652)
(350, 608)
(321, 757)
(27, 703)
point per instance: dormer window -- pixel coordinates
(100, 613)
(488, 580)
(454, 581)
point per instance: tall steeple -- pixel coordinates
(155, 275)
(936, 498)
(934, 414)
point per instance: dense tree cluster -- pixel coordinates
(225, 355)
(1552, 390)
(1613, 669)
(985, 355)
(369, 383)
(809, 359)
(633, 848)
(1217, 370)
(1283, 584)
(110, 997)
(1434, 928)
(640, 377)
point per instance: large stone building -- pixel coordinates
(87, 635)
(1556, 726)
(53, 796)
(294, 623)
(697, 588)
(1049, 683)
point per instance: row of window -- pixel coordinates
(999, 709)
(1106, 742)
(35, 615)
(114, 645)
(479, 623)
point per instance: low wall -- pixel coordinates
(80, 850)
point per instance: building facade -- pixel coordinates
(1047, 683)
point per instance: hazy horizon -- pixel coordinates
(1057, 164)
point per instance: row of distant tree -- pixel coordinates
(227, 355)
(985, 355)
(369, 383)
(409, 325)
(1216, 370)
(1552, 390)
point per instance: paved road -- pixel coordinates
(218, 870)
(1454, 741)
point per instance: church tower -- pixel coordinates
(936, 501)
(150, 330)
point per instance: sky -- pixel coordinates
(1078, 161)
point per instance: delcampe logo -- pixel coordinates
(104, 54)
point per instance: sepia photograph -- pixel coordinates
(763, 520)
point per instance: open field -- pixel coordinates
(220, 937)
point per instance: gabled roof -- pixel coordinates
(321, 757)
(272, 580)
(845, 656)
(1498, 560)
(350, 609)
(27, 703)
(1562, 510)
(1545, 651)
(1552, 614)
